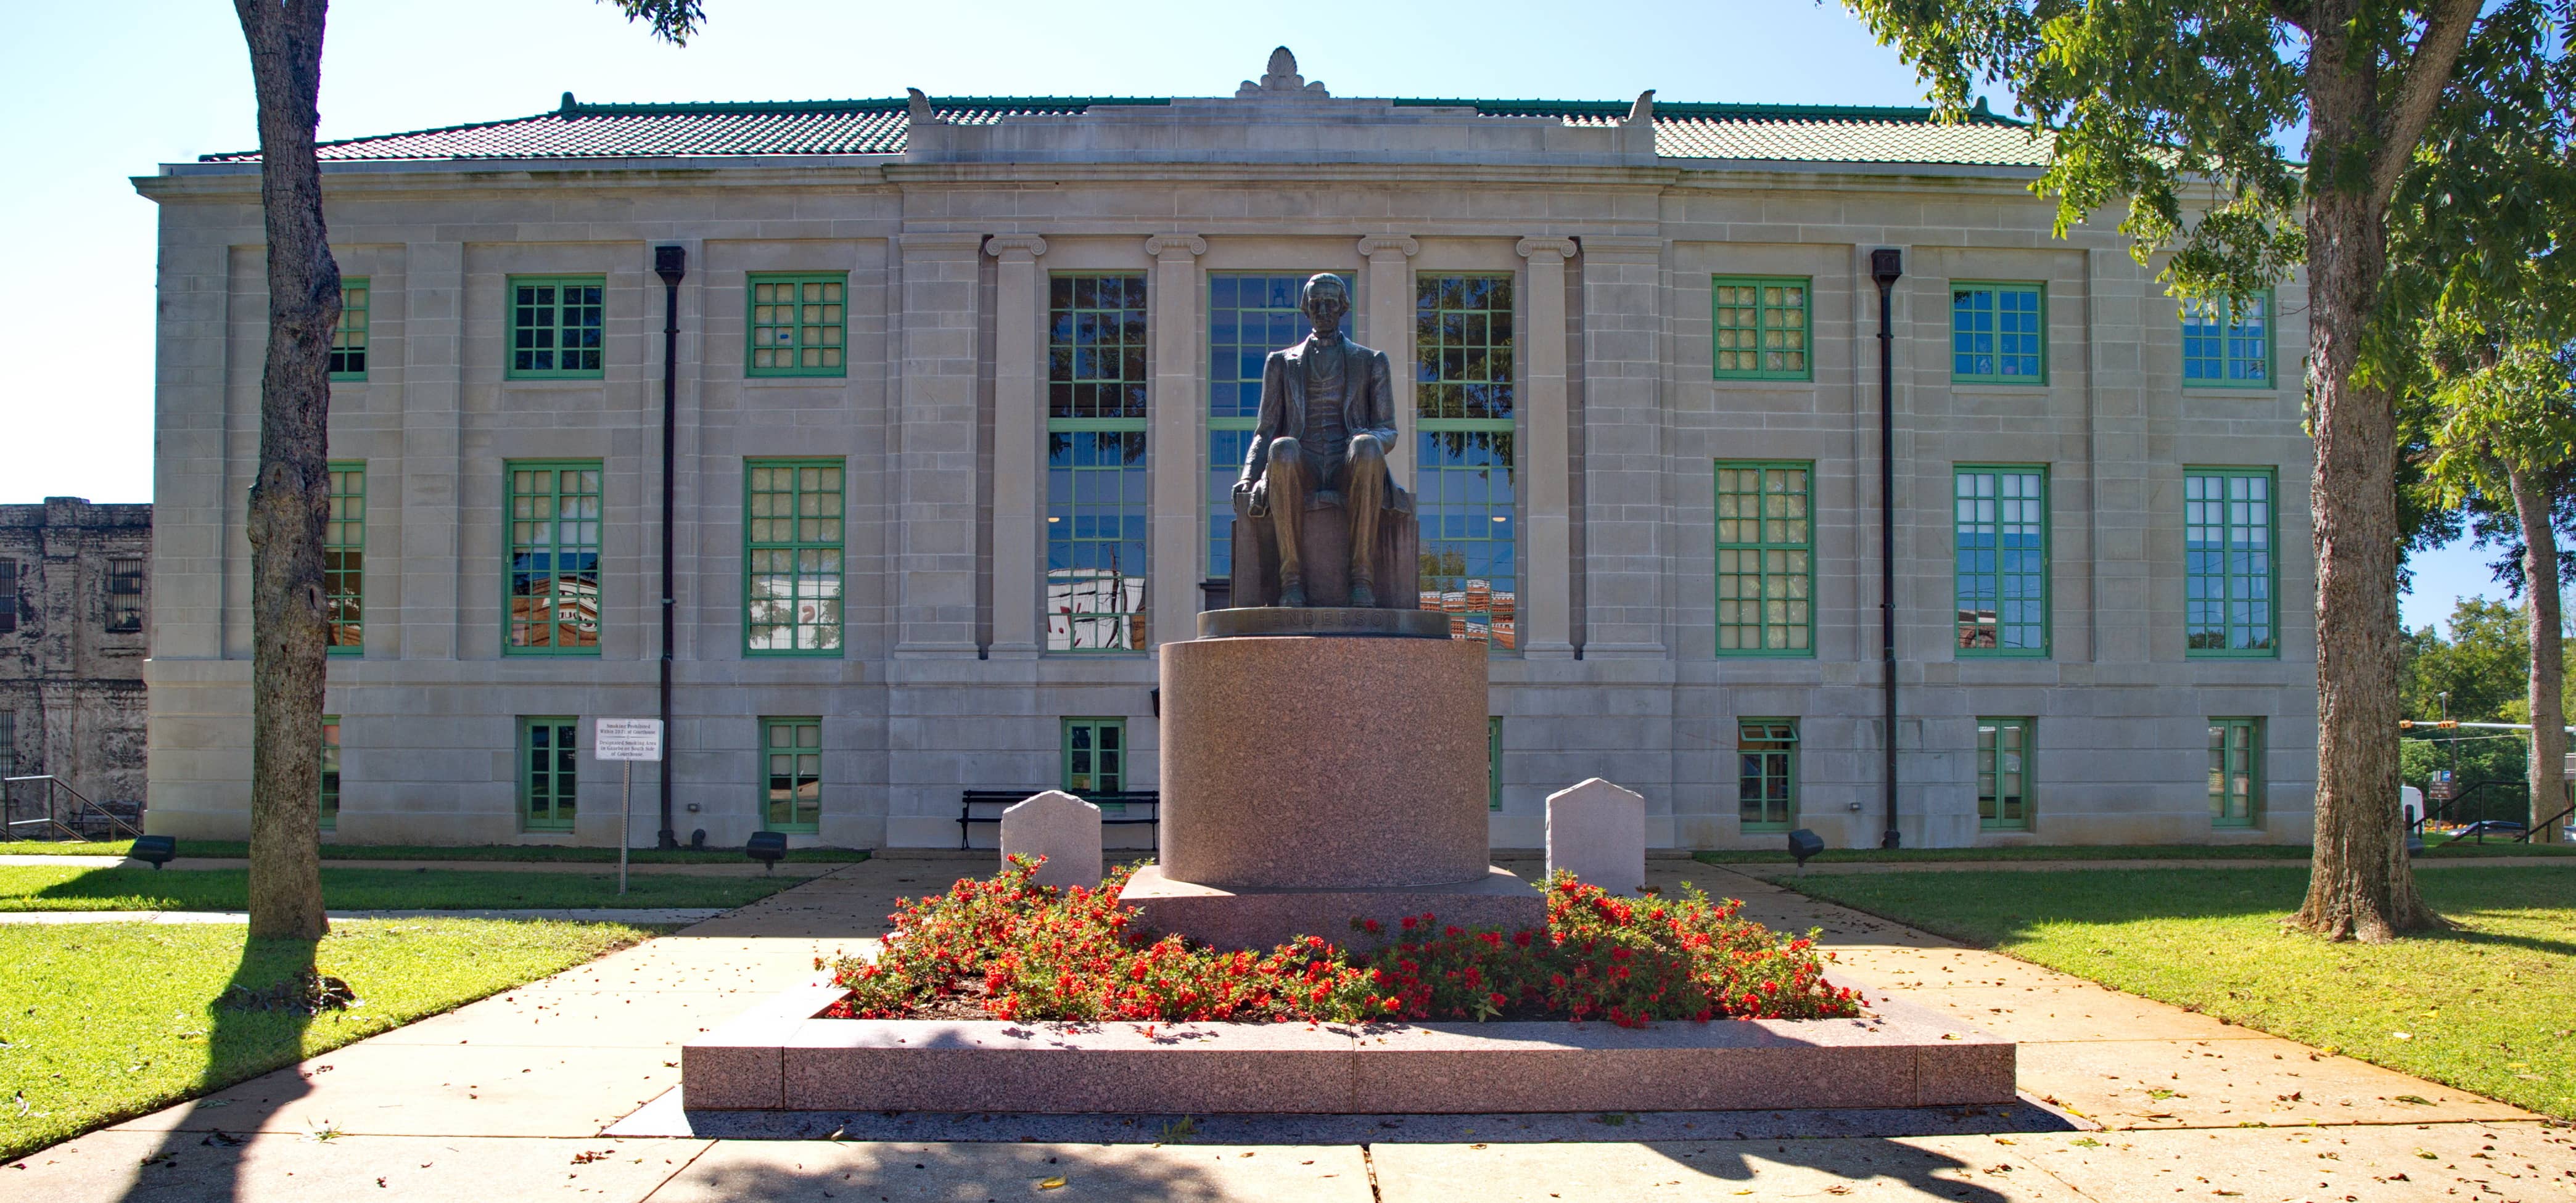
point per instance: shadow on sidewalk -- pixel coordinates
(255, 1026)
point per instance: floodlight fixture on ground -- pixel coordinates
(155, 850)
(767, 847)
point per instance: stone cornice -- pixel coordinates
(1005, 246)
(1157, 244)
(939, 240)
(1374, 243)
(1622, 246)
(1530, 248)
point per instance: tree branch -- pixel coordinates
(2426, 78)
(2291, 12)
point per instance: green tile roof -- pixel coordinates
(1753, 132)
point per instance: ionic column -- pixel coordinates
(1019, 426)
(1174, 441)
(1389, 327)
(1546, 468)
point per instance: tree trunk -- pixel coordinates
(2359, 884)
(2532, 506)
(290, 499)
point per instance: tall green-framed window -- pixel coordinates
(1759, 327)
(2227, 563)
(349, 338)
(557, 327)
(554, 513)
(1766, 781)
(2235, 771)
(1466, 468)
(1494, 763)
(2227, 343)
(1098, 490)
(792, 532)
(1250, 314)
(799, 324)
(2003, 773)
(1095, 755)
(549, 748)
(1998, 333)
(344, 559)
(330, 757)
(1999, 531)
(791, 774)
(1766, 573)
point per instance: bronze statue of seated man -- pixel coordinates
(1326, 419)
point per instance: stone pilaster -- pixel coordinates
(1173, 445)
(1388, 326)
(431, 487)
(1546, 610)
(1623, 447)
(935, 448)
(1019, 426)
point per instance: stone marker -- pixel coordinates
(1597, 831)
(1062, 828)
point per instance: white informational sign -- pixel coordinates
(627, 739)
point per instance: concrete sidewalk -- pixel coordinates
(748, 868)
(506, 1099)
(644, 916)
(1773, 869)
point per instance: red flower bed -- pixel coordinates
(1004, 948)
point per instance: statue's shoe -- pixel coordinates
(1293, 593)
(1363, 597)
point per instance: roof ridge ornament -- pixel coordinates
(1280, 79)
(917, 107)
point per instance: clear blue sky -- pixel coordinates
(100, 92)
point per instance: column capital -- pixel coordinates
(1534, 248)
(1377, 244)
(1159, 245)
(1015, 248)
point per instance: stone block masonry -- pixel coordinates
(74, 626)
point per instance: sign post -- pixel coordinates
(626, 740)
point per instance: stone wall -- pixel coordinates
(71, 670)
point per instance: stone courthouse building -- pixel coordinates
(73, 631)
(961, 386)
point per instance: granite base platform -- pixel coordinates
(779, 1058)
(1264, 917)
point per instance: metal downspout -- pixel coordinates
(672, 264)
(1886, 265)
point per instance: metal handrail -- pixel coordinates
(2551, 821)
(2432, 813)
(52, 783)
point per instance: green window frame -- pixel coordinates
(558, 327)
(1766, 783)
(549, 772)
(1760, 327)
(2230, 574)
(1998, 332)
(1250, 314)
(2228, 344)
(349, 338)
(1466, 465)
(1494, 763)
(551, 585)
(2235, 771)
(1766, 565)
(1094, 755)
(1099, 491)
(2005, 747)
(793, 582)
(344, 560)
(125, 595)
(2000, 564)
(791, 753)
(329, 754)
(797, 324)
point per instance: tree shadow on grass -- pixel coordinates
(256, 1025)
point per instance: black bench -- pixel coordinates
(992, 802)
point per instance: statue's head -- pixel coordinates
(1325, 300)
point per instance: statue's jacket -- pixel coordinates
(1367, 409)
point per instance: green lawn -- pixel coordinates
(105, 1021)
(2489, 1007)
(74, 888)
(234, 849)
(2281, 852)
